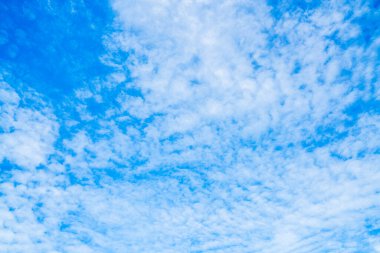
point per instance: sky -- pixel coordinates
(235, 126)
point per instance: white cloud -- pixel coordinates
(223, 149)
(28, 134)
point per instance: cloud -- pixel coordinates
(227, 126)
(28, 132)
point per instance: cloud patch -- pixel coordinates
(226, 126)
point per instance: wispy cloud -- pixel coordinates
(225, 126)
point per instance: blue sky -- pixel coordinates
(189, 126)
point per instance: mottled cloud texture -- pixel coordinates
(219, 126)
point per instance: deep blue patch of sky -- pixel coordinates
(53, 47)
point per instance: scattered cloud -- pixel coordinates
(224, 126)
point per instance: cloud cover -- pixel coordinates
(225, 126)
